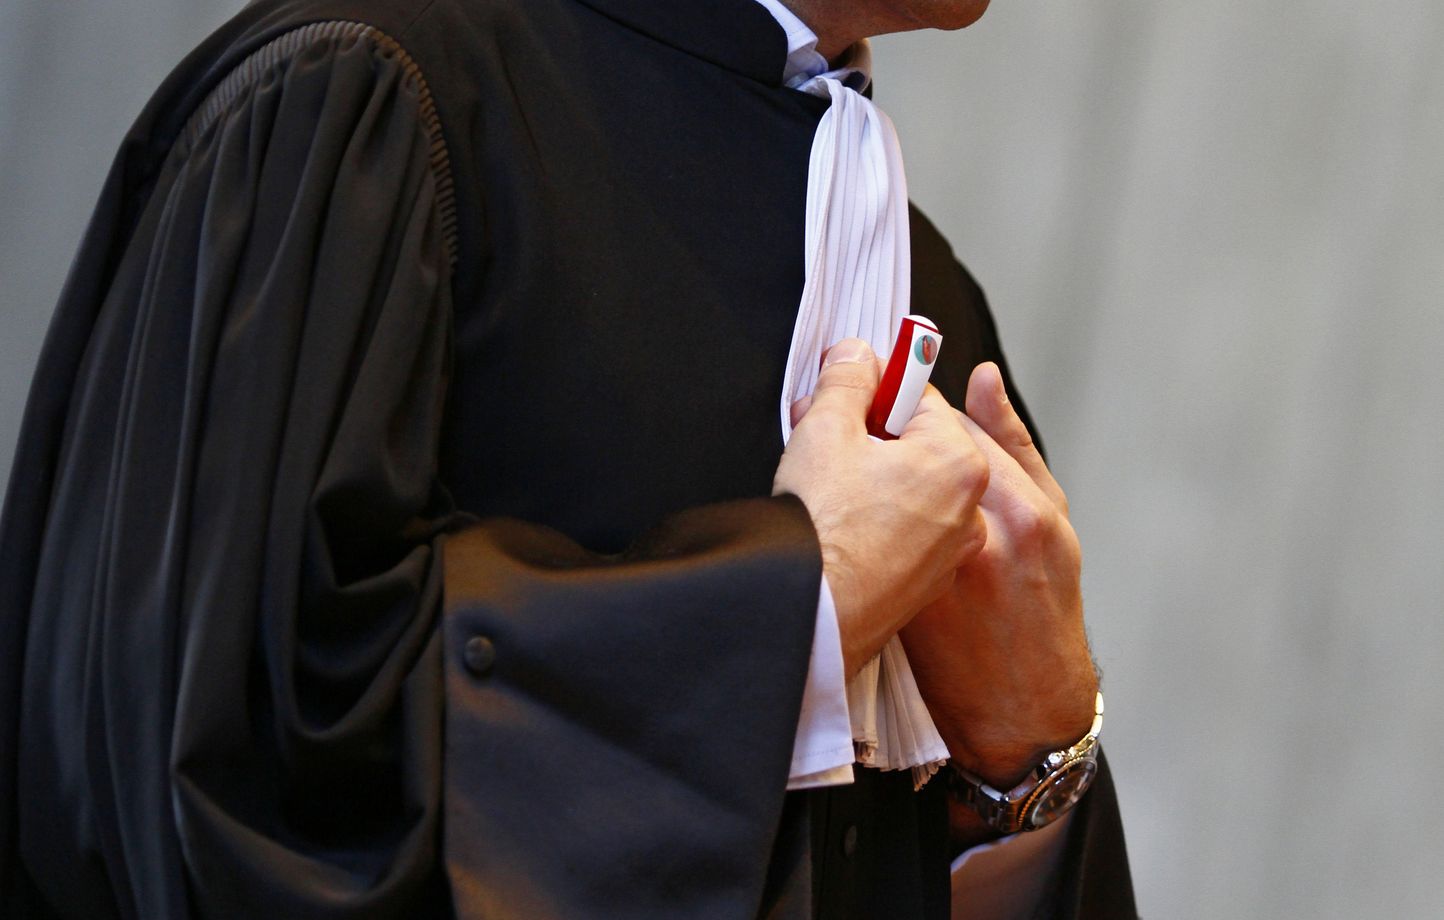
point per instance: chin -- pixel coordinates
(948, 14)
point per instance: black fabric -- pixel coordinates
(879, 849)
(366, 557)
(229, 661)
(233, 593)
(1095, 881)
(612, 760)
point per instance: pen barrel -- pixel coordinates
(909, 367)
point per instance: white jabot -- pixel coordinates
(857, 260)
(857, 271)
(1010, 881)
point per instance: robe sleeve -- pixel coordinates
(261, 666)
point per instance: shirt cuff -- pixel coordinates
(822, 751)
(1008, 878)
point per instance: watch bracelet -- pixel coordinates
(994, 805)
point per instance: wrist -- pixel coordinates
(856, 638)
(1004, 759)
(1049, 789)
(864, 621)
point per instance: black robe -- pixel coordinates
(390, 531)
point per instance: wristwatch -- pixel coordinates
(1045, 794)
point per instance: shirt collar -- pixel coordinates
(804, 62)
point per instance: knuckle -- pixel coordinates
(973, 540)
(937, 451)
(824, 421)
(972, 472)
(845, 377)
(1073, 556)
(847, 370)
(1032, 524)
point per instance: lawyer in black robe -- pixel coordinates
(391, 533)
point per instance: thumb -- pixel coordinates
(987, 404)
(847, 381)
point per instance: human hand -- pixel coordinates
(895, 519)
(1002, 657)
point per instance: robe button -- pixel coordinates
(479, 655)
(849, 841)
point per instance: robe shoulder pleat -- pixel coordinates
(256, 662)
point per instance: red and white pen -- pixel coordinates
(914, 355)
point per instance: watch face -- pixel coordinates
(1059, 793)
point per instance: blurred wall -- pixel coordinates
(1214, 238)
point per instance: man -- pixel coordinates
(399, 530)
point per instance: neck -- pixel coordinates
(837, 29)
(840, 24)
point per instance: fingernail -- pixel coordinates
(1002, 387)
(848, 351)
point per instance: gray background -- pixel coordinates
(1214, 237)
